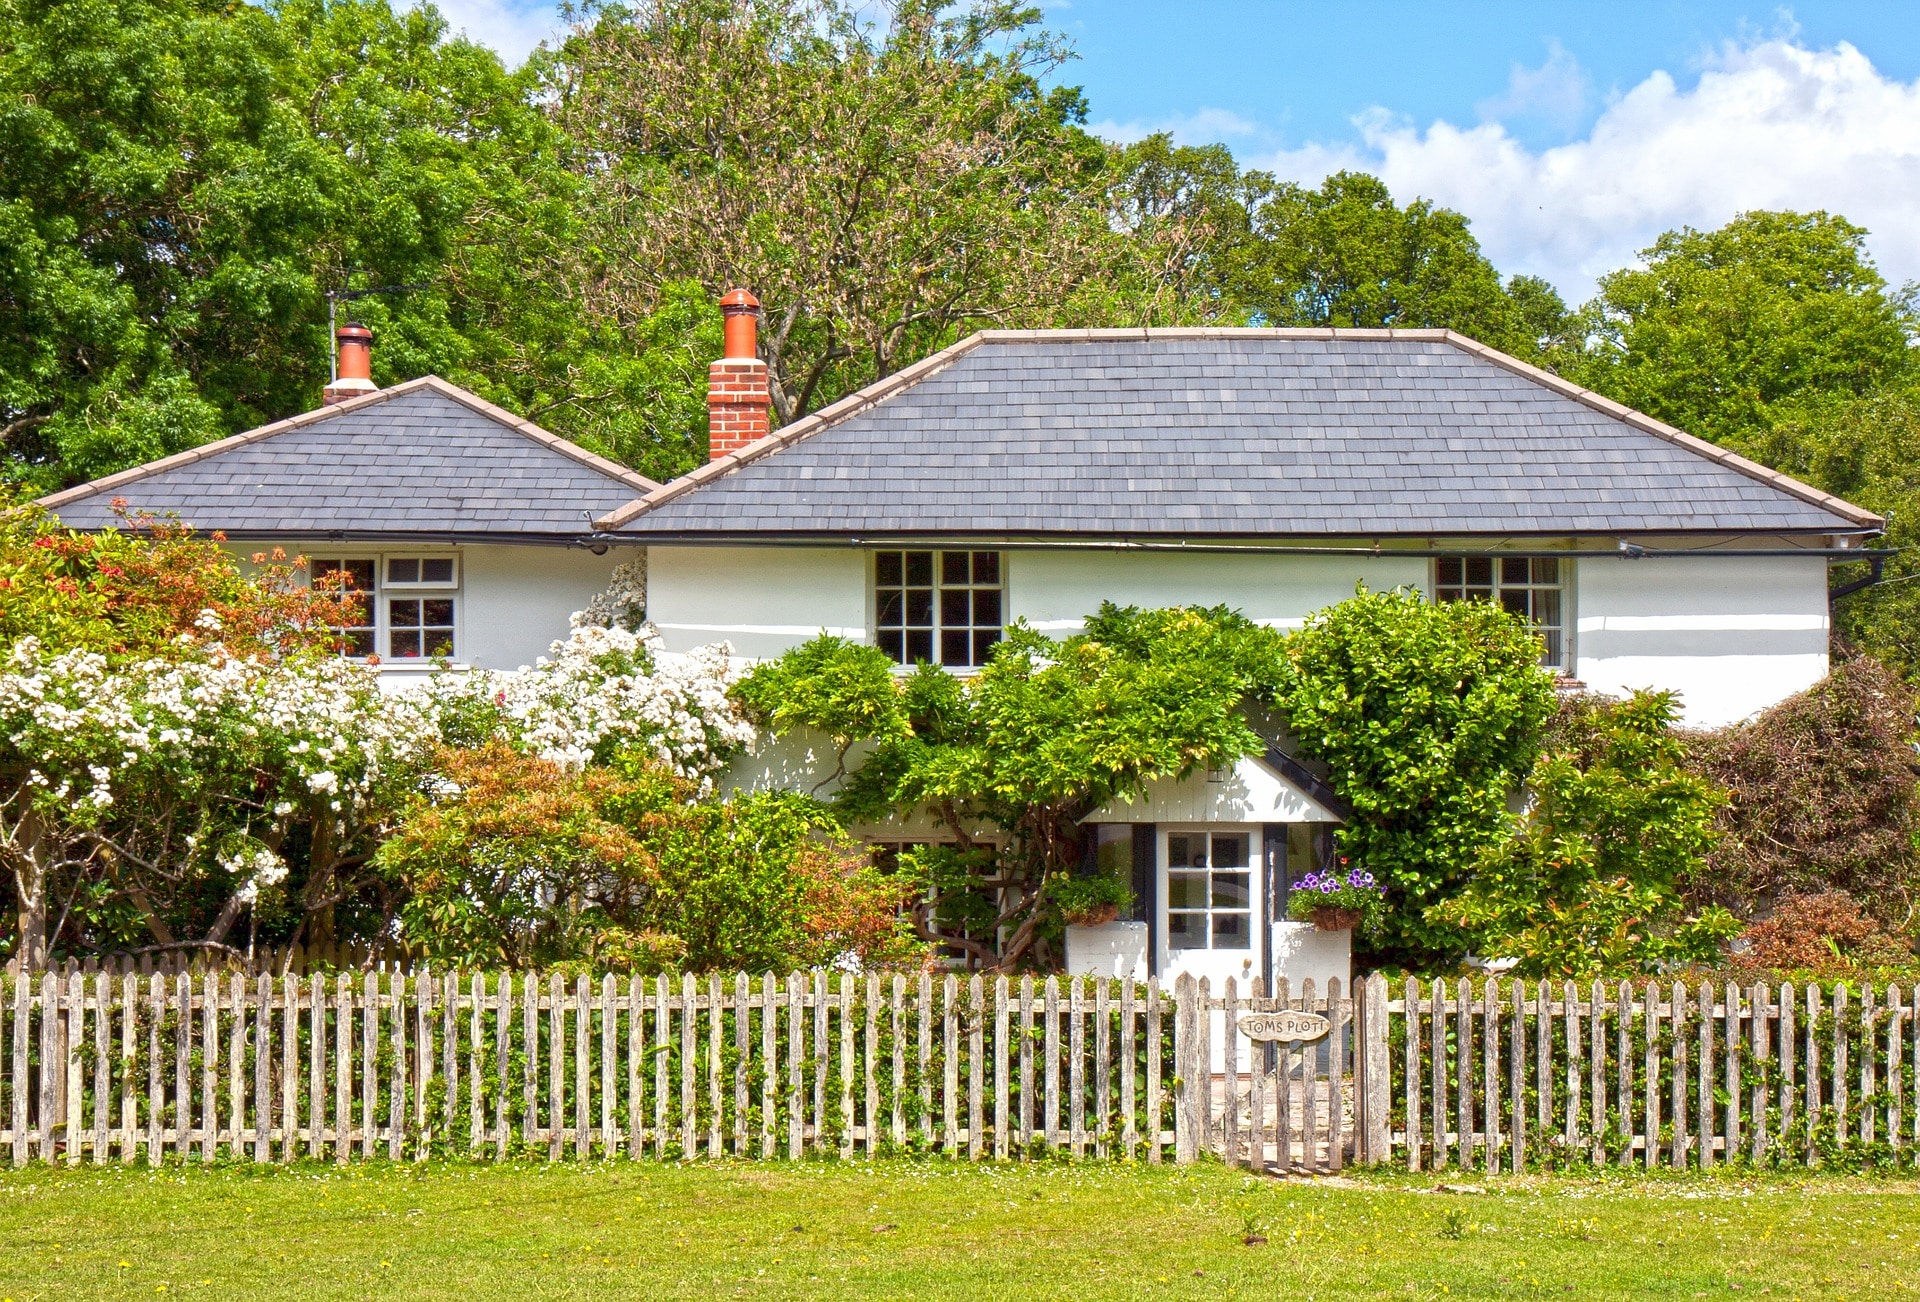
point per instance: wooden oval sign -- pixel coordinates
(1287, 1025)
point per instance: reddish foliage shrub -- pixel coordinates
(1824, 935)
(132, 590)
(1822, 798)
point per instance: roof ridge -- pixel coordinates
(1661, 430)
(433, 383)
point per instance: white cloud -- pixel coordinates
(1206, 126)
(1556, 92)
(510, 30)
(1769, 124)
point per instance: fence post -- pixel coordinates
(1186, 1101)
(1375, 1138)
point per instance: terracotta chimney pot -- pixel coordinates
(356, 364)
(737, 383)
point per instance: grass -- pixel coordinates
(934, 1230)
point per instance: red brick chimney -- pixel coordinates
(737, 383)
(355, 375)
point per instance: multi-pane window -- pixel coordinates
(420, 571)
(419, 626)
(1532, 587)
(940, 607)
(350, 577)
(1209, 891)
(407, 603)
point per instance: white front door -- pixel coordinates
(1211, 883)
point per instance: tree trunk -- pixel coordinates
(30, 883)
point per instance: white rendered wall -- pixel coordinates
(1731, 636)
(1055, 590)
(516, 602)
(764, 600)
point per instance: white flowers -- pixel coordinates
(255, 866)
(606, 687)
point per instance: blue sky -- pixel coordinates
(1300, 72)
(1570, 134)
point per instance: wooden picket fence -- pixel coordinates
(1491, 1075)
(98, 1067)
(1503, 1075)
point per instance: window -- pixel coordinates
(408, 603)
(940, 607)
(355, 578)
(1529, 586)
(420, 572)
(419, 626)
(1209, 891)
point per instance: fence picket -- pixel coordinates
(1650, 1067)
(870, 1062)
(1866, 1065)
(1463, 1066)
(1731, 1042)
(342, 1067)
(897, 1053)
(923, 1022)
(819, 1060)
(1840, 1063)
(1437, 1020)
(846, 1064)
(1284, 1061)
(1157, 1065)
(743, 1055)
(796, 1042)
(1077, 1068)
(1760, 1001)
(1000, 1066)
(769, 1061)
(1677, 1098)
(1708, 1113)
(1050, 1107)
(976, 1067)
(370, 1062)
(1337, 1070)
(716, 1103)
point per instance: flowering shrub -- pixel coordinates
(184, 778)
(602, 693)
(1355, 891)
(134, 590)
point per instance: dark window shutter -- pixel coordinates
(1146, 888)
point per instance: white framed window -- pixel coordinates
(1209, 890)
(422, 571)
(355, 577)
(1532, 587)
(942, 607)
(410, 604)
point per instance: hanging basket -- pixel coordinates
(1332, 919)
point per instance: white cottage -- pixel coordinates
(1031, 476)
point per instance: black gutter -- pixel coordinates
(1015, 542)
(1878, 572)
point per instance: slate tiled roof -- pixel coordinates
(1229, 433)
(425, 457)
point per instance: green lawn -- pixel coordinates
(933, 1230)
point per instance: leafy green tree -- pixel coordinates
(882, 187)
(1010, 761)
(1590, 879)
(1347, 255)
(1428, 718)
(1723, 333)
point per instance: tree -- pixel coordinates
(1347, 255)
(881, 190)
(181, 183)
(1589, 880)
(1723, 332)
(1428, 718)
(1008, 763)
